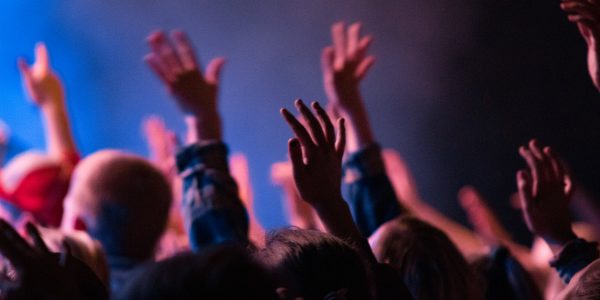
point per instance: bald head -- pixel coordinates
(123, 201)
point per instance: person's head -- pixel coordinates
(36, 183)
(315, 265)
(428, 262)
(121, 200)
(218, 272)
(584, 285)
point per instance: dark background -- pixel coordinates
(457, 87)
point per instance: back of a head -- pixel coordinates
(428, 262)
(221, 272)
(123, 201)
(315, 265)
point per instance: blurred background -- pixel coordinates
(458, 84)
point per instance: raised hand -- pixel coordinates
(45, 89)
(40, 81)
(586, 14)
(174, 62)
(316, 154)
(344, 65)
(545, 191)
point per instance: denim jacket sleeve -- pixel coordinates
(211, 207)
(371, 195)
(575, 256)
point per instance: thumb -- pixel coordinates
(41, 56)
(213, 70)
(524, 184)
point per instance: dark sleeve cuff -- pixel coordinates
(207, 156)
(575, 256)
(366, 162)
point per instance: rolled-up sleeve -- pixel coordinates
(212, 209)
(371, 195)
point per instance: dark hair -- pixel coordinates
(315, 265)
(131, 204)
(588, 286)
(428, 262)
(504, 277)
(219, 272)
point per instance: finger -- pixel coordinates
(557, 168)
(524, 185)
(353, 40)
(533, 164)
(340, 144)
(545, 167)
(578, 7)
(583, 17)
(34, 234)
(155, 64)
(295, 152)
(165, 52)
(339, 44)
(364, 67)
(24, 69)
(363, 46)
(41, 56)
(214, 69)
(585, 31)
(325, 123)
(313, 123)
(299, 130)
(185, 51)
(327, 60)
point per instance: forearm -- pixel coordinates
(464, 239)
(59, 137)
(360, 134)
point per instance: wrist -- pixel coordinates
(557, 242)
(202, 128)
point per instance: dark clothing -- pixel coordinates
(211, 207)
(371, 195)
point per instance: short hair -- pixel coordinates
(123, 200)
(312, 264)
(588, 286)
(218, 272)
(427, 261)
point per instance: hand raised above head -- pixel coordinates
(316, 154)
(345, 64)
(545, 190)
(174, 62)
(40, 81)
(586, 14)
